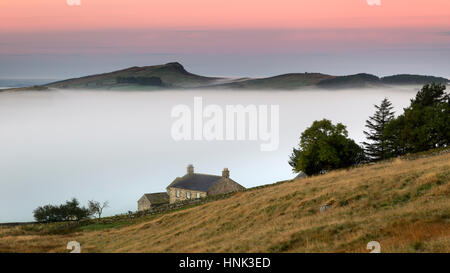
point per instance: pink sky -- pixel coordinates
(44, 15)
(49, 38)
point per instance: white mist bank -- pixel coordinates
(116, 146)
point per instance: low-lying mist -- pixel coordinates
(116, 146)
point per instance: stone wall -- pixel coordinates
(155, 209)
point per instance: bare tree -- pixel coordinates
(96, 207)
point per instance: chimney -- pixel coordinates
(190, 169)
(226, 173)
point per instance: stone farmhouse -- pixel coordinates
(190, 186)
(152, 199)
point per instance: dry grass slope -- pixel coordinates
(403, 204)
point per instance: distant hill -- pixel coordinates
(285, 81)
(174, 76)
(352, 81)
(171, 75)
(19, 83)
(413, 79)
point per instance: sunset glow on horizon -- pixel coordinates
(294, 34)
(41, 15)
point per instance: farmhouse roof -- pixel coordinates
(195, 181)
(157, 198)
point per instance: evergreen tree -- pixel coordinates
(378, 147)
(430, 95)
(424, 125)
(427, 123)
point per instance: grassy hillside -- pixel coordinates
(404, 204)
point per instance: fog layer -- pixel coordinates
(117, 146)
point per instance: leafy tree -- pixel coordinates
(378, 148)
(96, 208)
(324, 147)
(47, 213)
(71, 211)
